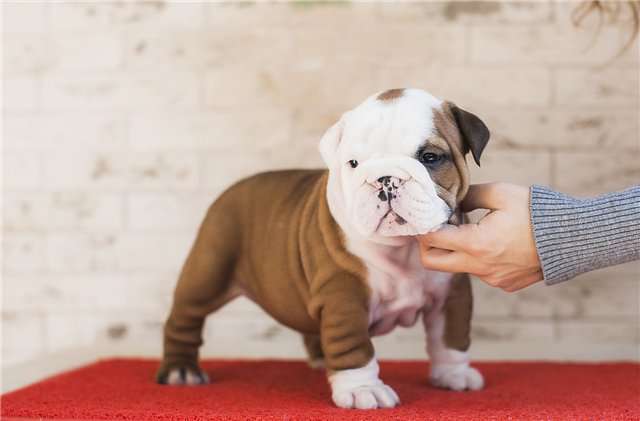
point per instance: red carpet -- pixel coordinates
(280, 390)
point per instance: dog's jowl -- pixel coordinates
(331, 252)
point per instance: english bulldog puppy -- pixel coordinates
(332, 254)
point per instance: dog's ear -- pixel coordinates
(330, 142)
(475, 134)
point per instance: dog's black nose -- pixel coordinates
(388, 188)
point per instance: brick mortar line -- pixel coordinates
(563, 148)
(180, 114)
(632, 317)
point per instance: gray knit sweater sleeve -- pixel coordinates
(574, 236)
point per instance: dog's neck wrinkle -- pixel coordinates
(392, 260)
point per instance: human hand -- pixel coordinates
(499, 249)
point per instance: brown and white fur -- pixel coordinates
(396, 169)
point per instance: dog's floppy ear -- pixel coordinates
(475, 134)
(330, 142)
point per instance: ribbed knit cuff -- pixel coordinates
(574, 236)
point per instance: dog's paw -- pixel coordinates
(182, 376)
(456, 377)
(366, 397)
(361, 388)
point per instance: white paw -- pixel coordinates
(186, 377)
(361, 388)
(456, 377)
(366, 397)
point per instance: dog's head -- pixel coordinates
(397, 163)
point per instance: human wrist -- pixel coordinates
(549, 222)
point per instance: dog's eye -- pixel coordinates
(353, 163)
(430, 158)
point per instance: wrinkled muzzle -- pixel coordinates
(395, 197)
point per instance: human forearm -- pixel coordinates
(574, 236)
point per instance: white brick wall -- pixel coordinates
(122, 121)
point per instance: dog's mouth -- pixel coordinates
(397, 219)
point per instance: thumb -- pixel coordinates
(484, 196)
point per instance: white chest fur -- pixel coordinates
(401, 288)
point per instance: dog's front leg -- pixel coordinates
(448, 328)
(352, 369)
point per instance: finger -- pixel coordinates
(447, 261)
(483, 196)
(451, 237)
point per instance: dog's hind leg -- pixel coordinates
(314, 350)
(204, 286)
(448, 339)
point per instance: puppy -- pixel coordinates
(331, 254)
